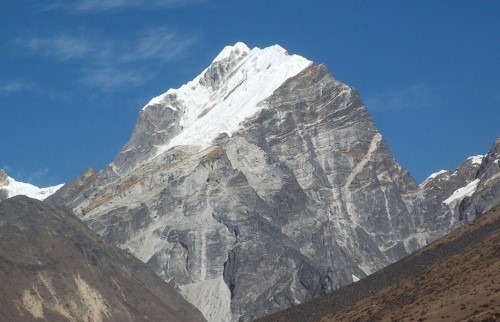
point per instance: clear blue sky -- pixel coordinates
(74, 76)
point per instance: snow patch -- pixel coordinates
(157, 100)
(477, 159)
(463, 192)
(211, 297)
(432, 176)
(15, 188)
(354, 278)
(238, 49)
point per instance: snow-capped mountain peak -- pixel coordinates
(12, 188)
(227, 92)
(299, 195)
(239, 49)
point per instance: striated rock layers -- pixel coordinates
(53, 268)
(261, 184)
(453, 279)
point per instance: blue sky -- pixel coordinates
(74, 74)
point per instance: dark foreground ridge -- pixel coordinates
(53, 268)
(455, 278)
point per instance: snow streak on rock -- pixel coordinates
(463, 192)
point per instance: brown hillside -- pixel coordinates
(53, 268)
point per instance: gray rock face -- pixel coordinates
(75, 188)
(3, 181)
(303, 198)
(470, 190)
(3, 177)
(3, 194)
(444, 183)
(487, 193)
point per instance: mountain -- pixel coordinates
(444, 183)
(53, 268)
(470, 190)
(453, 279)
(10, 188)
(487, 192)
(260, 184)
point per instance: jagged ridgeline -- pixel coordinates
(260, 184)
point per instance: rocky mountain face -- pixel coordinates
(470, 190)
(10, 188)
(487, 192)
(444, 183)
(261, 184)
(75, 188)
(453, 279)
(4, 180)
(53, 268)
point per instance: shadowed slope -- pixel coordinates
(53, 268)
